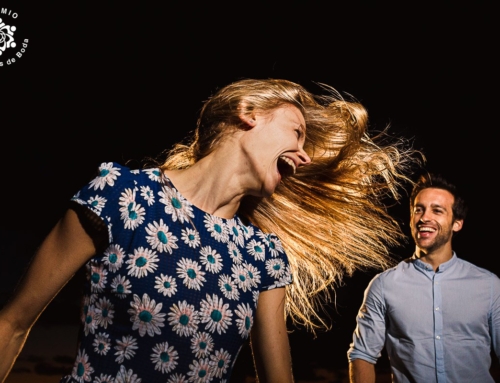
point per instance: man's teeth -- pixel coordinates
(289, 162)
(431, 230)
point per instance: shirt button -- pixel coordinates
(437, 308)
(438, 337)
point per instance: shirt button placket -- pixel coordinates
(438, 328)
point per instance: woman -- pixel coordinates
(188, 258)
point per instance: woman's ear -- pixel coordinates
(248, 118)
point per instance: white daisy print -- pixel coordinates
(164, 357)
(96, 204)
(202, 344)
(183, 318)
(153, 174)
(200, 371)
(110, 227)
(285, 279)
(275, 246)
(255, 297)
(107, 176)
(82, 369)
(244, 320)
(228, 287)
(234, 252)
(103, 378)
(235, 232)
(85, 307)
(166, 285)
(121, 286)
(146, 315)
(127, 198)
(256, 249)
(160, 238)
(211, 259)
(247, 230)
(142, 262)
(132, 213)
(90, 323)
(216, 227)
(240, 276)
(253, 274)
(219, 363)
(93, 298)
(177, 378)
(101, 343)
(104, 312)
(176, 205)
(191, 274)
(113, 257)
(125, 348)
(148, 195)
(263, 236)
(127, 376)
(97, 278)
(191, 237)
(275, 267)
(215, 313)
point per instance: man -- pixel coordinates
(437, 315)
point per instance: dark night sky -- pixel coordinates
(115, 83)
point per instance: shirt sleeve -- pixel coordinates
(369, 335)
(494, 320)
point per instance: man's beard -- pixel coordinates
(439, 241)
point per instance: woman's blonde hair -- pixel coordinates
(330, 216)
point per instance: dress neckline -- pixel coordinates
(168, 182)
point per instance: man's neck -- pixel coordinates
(435, 257)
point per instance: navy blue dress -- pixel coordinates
(173, 296)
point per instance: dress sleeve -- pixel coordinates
(103, 199)
(277, 267)
(93, 225)
(369, 335)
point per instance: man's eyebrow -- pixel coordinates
(438, 205)
(433, 205)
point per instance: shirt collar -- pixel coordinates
(426, 267)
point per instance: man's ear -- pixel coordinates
(248, 118)
(457, 225)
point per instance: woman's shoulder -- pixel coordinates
(109, 173)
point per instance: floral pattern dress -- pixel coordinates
(173, 297)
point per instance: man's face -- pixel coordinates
(432, 223)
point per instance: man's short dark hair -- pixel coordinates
(430, 180)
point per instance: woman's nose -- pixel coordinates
(304, 158)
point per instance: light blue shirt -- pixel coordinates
(436, 326)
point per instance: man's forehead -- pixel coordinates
(434, 196)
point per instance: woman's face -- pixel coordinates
(275, 146)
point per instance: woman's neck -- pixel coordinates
(212, 188)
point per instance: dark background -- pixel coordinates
(102, 81)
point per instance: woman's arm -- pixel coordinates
(269, 339)
(66, 248)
